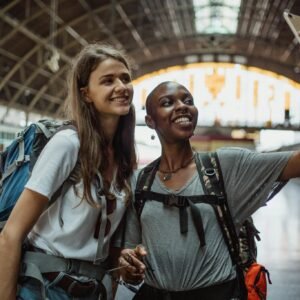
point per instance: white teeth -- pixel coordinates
(182, 120)
(120, 99)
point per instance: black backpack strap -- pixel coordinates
(144, 182)
(180, 201)
(212, 181)
(210, 173)
(143, 193)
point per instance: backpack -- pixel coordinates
(16, 164)
(252, 277)
(18, 160)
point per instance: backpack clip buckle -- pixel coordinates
(174, 200)
(73, 266)
(210, 172)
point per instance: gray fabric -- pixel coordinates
(177, 259)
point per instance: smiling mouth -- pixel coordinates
(183, 121)
(121, 100)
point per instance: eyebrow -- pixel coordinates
(113, 75)
(185, 93)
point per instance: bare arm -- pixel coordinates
(23, 217)
(292, 169)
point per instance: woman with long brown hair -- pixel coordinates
(75, 231)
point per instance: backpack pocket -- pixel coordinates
(256, 279)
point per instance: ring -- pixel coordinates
(129, 258)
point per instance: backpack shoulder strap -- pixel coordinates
(143, 184)
(70, 180)
(211, 177)
(210, 173)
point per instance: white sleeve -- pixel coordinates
(55, 163)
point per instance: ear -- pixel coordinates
(150, 122)
(84, 92)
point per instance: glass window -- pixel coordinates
(216, 16)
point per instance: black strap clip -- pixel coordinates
(174, 200)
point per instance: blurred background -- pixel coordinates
(239, 58)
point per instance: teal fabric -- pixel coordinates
(31, 290)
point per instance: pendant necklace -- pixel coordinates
(167, 175)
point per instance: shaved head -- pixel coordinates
(154, 92)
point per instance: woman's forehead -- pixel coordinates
(170, 88)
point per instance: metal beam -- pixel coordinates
(27, 63)
(100, 24)
(44, 88)
(11, 33)
(26, 83)
(10, 5)
(177, 29)
(40, 41)
(133, 31)
(60, 21)
(18, 85)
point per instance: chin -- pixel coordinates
(124, 111)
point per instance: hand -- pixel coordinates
(133, 270)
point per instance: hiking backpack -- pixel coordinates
(252, 277)
(16, 164)
(18, 160)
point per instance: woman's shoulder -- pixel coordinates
(233, 151)
(67, 137)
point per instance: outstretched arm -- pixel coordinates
(292, 169)
(23, 217)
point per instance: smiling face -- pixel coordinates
(109, 88)
(171, 112)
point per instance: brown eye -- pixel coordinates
(189, 101)
(165, 102)
(126, 79)
(107, 81)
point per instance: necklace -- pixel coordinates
(167, 175)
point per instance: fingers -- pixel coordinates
(140, 251)
(129, 257)
(134, 269)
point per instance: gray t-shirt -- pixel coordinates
(178, 261)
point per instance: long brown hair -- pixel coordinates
(93, 144)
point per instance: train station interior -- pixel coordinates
(239, 58)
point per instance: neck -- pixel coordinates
(109, 127)
(175, 157)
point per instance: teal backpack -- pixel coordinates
(16, 164)
(18, 160)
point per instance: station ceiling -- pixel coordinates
(38, 39)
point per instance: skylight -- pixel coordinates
(216, 16)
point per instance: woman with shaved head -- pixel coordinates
(189, 259)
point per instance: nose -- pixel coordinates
(120, 85)
(180, 105)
